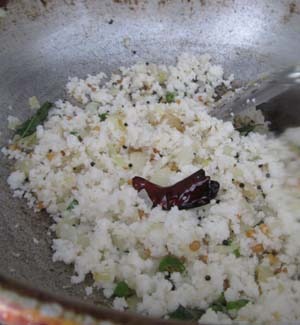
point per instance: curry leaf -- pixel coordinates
(103, 116)
(237, 252)
(219, 304)
(72, 205)
(223, 306)
(182, 313)
(29, 127)
(171, 264)
(237, 304)
(122, 290)
(170, 97)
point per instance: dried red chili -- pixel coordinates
(193, 191)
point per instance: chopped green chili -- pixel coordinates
(29, 127)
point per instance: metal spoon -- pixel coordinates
(257, 92)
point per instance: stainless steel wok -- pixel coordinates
(44, 42)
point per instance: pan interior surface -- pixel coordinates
(45, 42)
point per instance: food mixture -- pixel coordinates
(233, 258)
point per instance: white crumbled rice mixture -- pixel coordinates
(88, 291)
(244, 245)
(34, 103)
(120, 303)
(13, 122)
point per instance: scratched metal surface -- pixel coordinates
(44, 42)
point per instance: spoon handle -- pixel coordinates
(258, 92)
